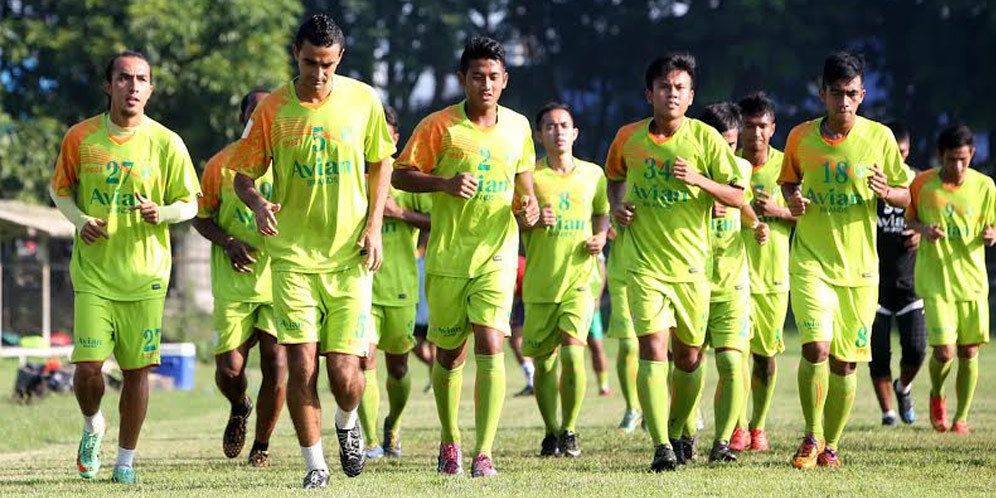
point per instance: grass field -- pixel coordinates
(180, 450)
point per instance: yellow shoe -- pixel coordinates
(810, 449)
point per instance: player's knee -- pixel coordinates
(816, 352)
(688, 360)
(764, 367)
(914, 354)
(87, 370)
(879, 369)
(368, 362)
(944, 354)
(968, 351)
(397, 370)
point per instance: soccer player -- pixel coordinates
(561, 262)
(768, 264)
(621, 329)
(833, 170)
(121, 178)
(954, 209)
(516, 321)
(664, 174)
(896, 298)
(243, 301)
(477, 157)
(322, 228)
(395, 296)
(596, 334)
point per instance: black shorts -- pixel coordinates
(518, 316)
(421, 330)
(894, 300)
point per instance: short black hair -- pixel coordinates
(756, 104)
(661, 66)
(109, 70)
(244, 103)
(899, 130)
(391, 116)
(321, 31)
(842, 66)
(953, 137)
(481, 47)
(723, 116)
(552, 106)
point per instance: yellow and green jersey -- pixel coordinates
(729, 256)
(471, 237)
(396, 282)
(669, 236)
(317, 153)
(769, 264)
(221, 204)
(104, 174)
(556, 259)
(953, 268)
(835, 239)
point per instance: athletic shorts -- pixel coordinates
(518, 317)
(961, 323)
(620, 320)
(894, 300)
(392, 328)
(767, 321)
(130, 330)
(839, 315)
(596, 331)
(237, 322)
(546, 322)
(729, 324)
(658, 305)
(331, 309)
(455, 303)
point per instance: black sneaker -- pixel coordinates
(392, 440)
(235, 431)
(721, 452)
(664, 459)
(905, 400)
(688, 451)
(569, 444)
(549, 447)
(351, 450)
(316, 479)
(678, 446)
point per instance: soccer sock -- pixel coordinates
(545, 390)
(95, 423)
(346, 420)
(840, 400)
(762, 392)
(529, 370)
(626, 361)
(490, 396)
(126, 458)
(446, 386)
(813, 380)
(687, 392)
(743, 419)
(369, 406)
(603, 380)
(938, 373)
(729, 400)
(314, 458)
(573, 380)
(968, 376)
(652, 387)
(398, 391)
(695, 417)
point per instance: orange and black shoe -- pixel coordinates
(961, 427)
(740, 439)
(759, 440)
(939, 413)
(829, 459)
(810, 449)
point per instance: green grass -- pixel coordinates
(180, 449)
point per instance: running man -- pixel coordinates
(621, 329)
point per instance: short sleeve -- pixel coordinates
(791, 168)
(67, 165)
(527, 162)
(721, 162)
(423, 149)
(915, 188)
(377, 142)
(600, 204)
(897, 173)
(210, 200)
(254, 151)
(615, 163)
(181, 184)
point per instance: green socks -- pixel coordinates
(813, 380)
(729, 400)
(546, 391)
(968, 376)
(687, 392)
(762, 392)
(446, 386)
(743, 419)
(573, 380)
(839, 401)
(938, 373)
(488, 400)
(398, 391)
(651, 385)
(626, 362)
(369, 406)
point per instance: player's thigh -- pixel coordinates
(690, 301)
(814, 305)
(489, 300)
(93, 328)
(650, 304)
(767, 321)
(396, 329)
(973, 322)
(620, 319)
(539, 332)
(234, 323)
(853, 323)
(447, 300)
(346, 297)
(297, 306)
(138, 331)
(729, 324)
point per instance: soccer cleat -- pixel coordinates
(960, 427)
(905, 400)
(805, 457)
(549, 446)
(605, 391)
(88, 454)
(526, 391)
(688, 451)
(351, 455)
(374, 452)
(482, 467)
(392, 440)
(939, 413)
(721, 452)
(235, 431)
(664, 459)
(759, 440)
(450, 461)
(316, 479)
(568, 444)
(740, 439)
(630, 421)
(259, 459)
(124, 475)
(889, 419)
(829, 459)
(678, 447)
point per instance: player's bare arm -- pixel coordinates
(622, 212)
(266, 221)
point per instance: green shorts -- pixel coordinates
(595, 330)
(547, 322)
(658, 305)
(729, 324)
(962, 323)
(455, 303)
(392, 328)
(767, 321)
(237, 322)
(839, 315)
(330, 308)
(620, 320)
(129, 329)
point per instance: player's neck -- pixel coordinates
(124, 121)
(561, 161)
(836, 128)
(953, 177)
(756, 157)
(485, 117)
(665, 126)
(309, 95)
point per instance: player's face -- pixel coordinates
(954, 162)
(317, 65)
(394, 133)
(254, 100)
(904, 149)
(757, 132)
(557, 131)
(842, 98)
(671, 94)
(731, 136)
(483, 82)
(130, 86)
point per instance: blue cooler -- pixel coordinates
(177, 362)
